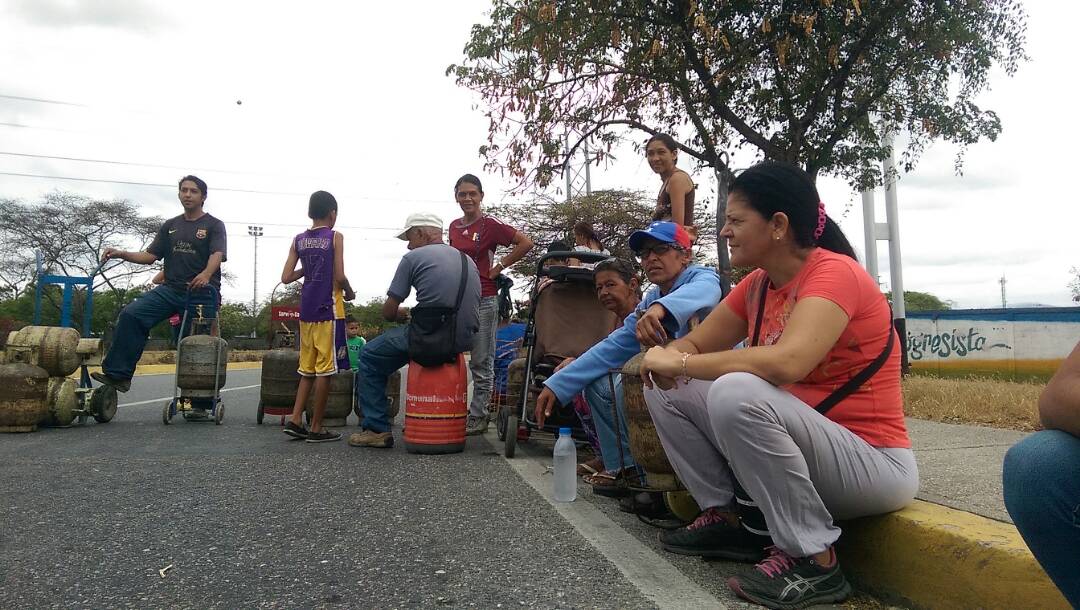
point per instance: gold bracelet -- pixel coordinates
(685, 356)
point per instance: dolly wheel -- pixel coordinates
(103, 403)
(510, 442)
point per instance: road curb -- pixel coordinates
(157, 369)
(932, 556)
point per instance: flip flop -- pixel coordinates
(607, 483)
(592, 466)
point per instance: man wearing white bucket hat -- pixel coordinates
(445, 281)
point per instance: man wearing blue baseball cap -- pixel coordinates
(681, 291)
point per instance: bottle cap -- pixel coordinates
(564, 431)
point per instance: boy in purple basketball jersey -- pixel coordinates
(322, 311)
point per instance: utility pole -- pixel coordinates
(888, 231)
(255, 232)
(578, 176)
(1002, 282)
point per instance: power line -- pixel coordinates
(137, 164)
(24, 126)
(42, 100)
(219, 188)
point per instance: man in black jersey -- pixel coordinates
(193, 247)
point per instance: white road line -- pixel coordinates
(656, 578)
(164, 398)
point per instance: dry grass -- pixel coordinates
(973, 400)
(169, 357)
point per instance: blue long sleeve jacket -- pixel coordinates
(696, 291)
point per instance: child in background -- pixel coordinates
(319, 250)
(355, 341)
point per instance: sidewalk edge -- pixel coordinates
(932, 556)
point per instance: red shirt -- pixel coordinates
(479, 240)
(875, 411)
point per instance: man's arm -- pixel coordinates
(1059, 404)
(340, 280)
(212, 266)
(521, 246)
(392, 310)
(141, 258)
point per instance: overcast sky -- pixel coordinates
(352, 98)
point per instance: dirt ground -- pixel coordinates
(973, 400)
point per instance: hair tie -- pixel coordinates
(820, 220)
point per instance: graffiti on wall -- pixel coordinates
(957, 342)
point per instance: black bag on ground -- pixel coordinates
(433, 329)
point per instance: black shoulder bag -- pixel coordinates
(852, 384)
(432, 329)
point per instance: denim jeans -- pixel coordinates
(380, 358)
(138, 317)
(598, 395)
(1042, 494)
(482, 362)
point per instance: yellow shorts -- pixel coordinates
(318, 354)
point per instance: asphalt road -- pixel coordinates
(247, 518)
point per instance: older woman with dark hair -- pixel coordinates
(808, 418)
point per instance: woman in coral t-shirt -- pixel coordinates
(813, 320)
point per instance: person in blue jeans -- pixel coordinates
(681, 292)
(193, 248)
(433, 268)
(619, 290)
(1041, 477)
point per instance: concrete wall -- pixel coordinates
(1009, 343)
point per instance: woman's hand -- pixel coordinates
(660, 367)
(545, 403)
(650, 331)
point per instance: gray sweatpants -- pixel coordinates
(801, 468)
(482, 356)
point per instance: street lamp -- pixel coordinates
(255, 232)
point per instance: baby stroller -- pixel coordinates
(565, 320)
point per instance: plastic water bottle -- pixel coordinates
(565, 458)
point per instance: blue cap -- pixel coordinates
(565, 431)
(663, 231)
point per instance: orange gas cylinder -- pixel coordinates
(435, 408)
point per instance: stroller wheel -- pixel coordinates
(259, 414)
(166, 415)
(510, 441)
(500, 422)
(219, 413)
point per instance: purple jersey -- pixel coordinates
(315, 248)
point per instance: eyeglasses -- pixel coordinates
(658, 249)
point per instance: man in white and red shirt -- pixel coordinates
(478, 235)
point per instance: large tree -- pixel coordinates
(797, 80)
(819, 83)
(70, 231)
